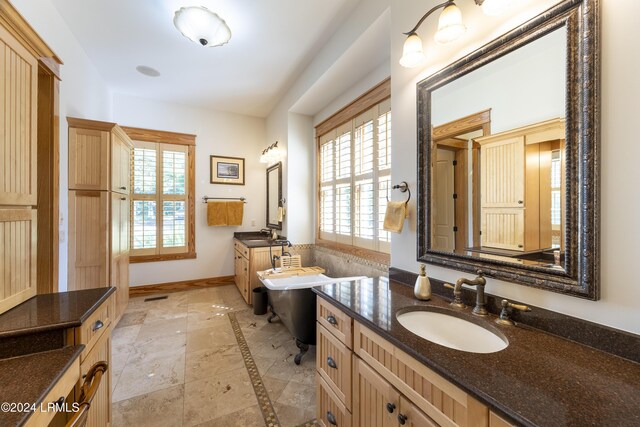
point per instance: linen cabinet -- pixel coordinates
(26, 116)
(99, 208)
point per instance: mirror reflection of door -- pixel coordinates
(444, 207)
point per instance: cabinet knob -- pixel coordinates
(520, 202)
(332, 320)
(123, 198)
(123, 188)
(97, 325)
(521, 246)
(331, 363)
(391, 407)
(331, 418)
(402, 419)
(60, 403)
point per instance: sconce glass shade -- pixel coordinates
(412, 53)
(450, 26)
(496, 7)
(202, 26)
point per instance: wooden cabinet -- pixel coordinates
(248, 261)
(99, 207)
(387, 387)
(21, 53)
(515, 189)
(95, 334)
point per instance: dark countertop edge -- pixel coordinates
(76, 354)
(61, 325)
(94, 307)
(242, 237)
(493, 405)
(614, 342)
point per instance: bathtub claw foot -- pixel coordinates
(303, 349)
(272, 316)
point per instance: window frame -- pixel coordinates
(163, 139)
(350, 117)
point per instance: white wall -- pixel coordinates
(83, 93)
(285, 120)
(526, 86)
(217, 133)
(619, 305)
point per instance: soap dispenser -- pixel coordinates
(422, 289)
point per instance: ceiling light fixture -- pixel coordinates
(450, 28)
(200, 25)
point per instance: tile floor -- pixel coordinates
(177, 362)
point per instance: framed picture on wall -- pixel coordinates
(227, 170)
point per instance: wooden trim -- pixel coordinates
(75, 122)
(15, 23)
(136, 259)
(357, 251)
(373, 96)
(462, 125)
(164, 137)
(185, 285)
(48, 180)
(548, 130)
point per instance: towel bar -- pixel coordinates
(205, 199)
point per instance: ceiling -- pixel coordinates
(271, 43)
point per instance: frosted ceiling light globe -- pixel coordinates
(450, 26)
(496, 7)
(202, 26)
(412, 53)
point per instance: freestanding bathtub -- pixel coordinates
(292, 300)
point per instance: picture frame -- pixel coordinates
(226, 170)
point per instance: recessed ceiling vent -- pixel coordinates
(148, 71)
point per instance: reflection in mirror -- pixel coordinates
(274, 196)
(497, 157)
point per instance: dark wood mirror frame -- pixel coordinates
(581, 274)
(278, 167)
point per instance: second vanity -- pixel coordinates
(373, 371)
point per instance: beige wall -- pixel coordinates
(619, 306)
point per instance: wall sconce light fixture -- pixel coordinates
(271, 154)
(450, 28)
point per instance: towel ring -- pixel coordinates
(403, 187)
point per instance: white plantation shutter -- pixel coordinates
(354, 173)
(160, 196)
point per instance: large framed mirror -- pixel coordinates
(508, 156)
(274, 196)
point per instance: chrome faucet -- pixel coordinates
(479, 282)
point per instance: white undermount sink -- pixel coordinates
(452, 331)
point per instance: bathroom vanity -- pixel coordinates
(252, 253)
(373, 371)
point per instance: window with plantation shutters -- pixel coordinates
(161, 201)
(354, 175)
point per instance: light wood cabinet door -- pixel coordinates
(89, 160)
(503, 228)
(100, 411)
(120, 224)
(89, 230)
(120, 280)
(18, 123)
(375, 402)
(18, 253)
(333, 363)
(410, 416)
(329, 410)
(121, 164)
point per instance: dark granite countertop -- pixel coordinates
(28, 379)
(538, 380)
(255, 239)
(52, 311)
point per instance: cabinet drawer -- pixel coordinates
(442, 401)
(62, 388)
(335, 321)
(93, 328)
(333, 363)
(100, 410)
(330, 411)
(497, 421)
(244, 251)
